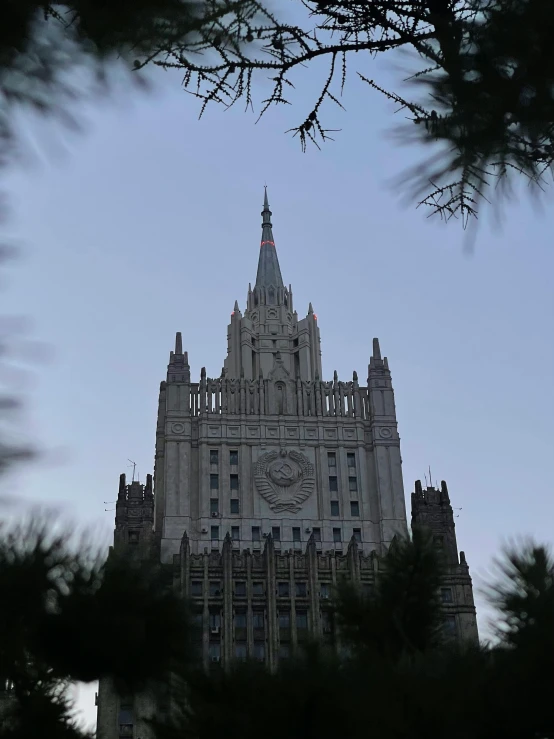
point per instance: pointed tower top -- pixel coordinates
(178, 343)
(269, 272)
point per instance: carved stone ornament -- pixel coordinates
(284, 479)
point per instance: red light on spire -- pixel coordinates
(315, 316)
(271, 243)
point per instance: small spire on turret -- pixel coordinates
(236, 309)
(354, 376)
(310, 309)
(186, 358)
(376, 349)
(178, 343)
(335, 376)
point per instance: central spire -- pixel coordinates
(269, 272)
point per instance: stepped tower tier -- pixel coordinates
(270, 325)
(269, 446)
(270, 485)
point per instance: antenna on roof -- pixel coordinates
(134, 464)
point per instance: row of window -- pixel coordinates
(276, 534)
(233, 457)
(283, 591)
(233, 482)
(331, 460)
(235, 508)
(258, 620)
(334, 484)
(258, 588)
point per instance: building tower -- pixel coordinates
(270, 483)
(431, 509)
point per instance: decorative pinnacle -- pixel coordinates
(178, 343)
(376, 349)
(269, 271)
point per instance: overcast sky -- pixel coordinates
(149, 223)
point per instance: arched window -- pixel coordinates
(271, 296)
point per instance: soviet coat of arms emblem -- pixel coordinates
(284, 479)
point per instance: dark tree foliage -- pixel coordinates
(484, 66)
(400, 680)
(483, 69)
(66, 615)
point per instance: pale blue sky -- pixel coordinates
(149, 224)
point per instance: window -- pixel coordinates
(284, 619)
(240, 589)
(233, 458)
(332, 461)
(198, 619)
(300, 589)
(258, 620)
(215, 620)
(351, 461)
(324, 590)
(259, 651)
(126, 714)
(337, 536)
(196, 588)
(240, 652)
(235, 533)
(446, 595)
(326, 622)
(214, 456)
(296, 534)
(450, 626)
(357, 534)
(283, 589)
(214, 505)
(284, 651)
(317, 533)
(133, 537)
(333, 485)
(234, 506)
(234, 482)
(354, 508)
(301, 620)
(276, 533)
(257, 588)
(368, 589)
(240, 619)
(353, 484)
(214, 482)
(334, 508)
(215, 533)
(215, 651)
(215, 588)
(256, 533)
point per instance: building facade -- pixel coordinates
(271, 483)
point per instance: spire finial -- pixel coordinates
(178, 343)
(269, 272)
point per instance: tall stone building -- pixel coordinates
(270, 484)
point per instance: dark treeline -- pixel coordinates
(66, 616)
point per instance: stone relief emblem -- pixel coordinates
(284, 479)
